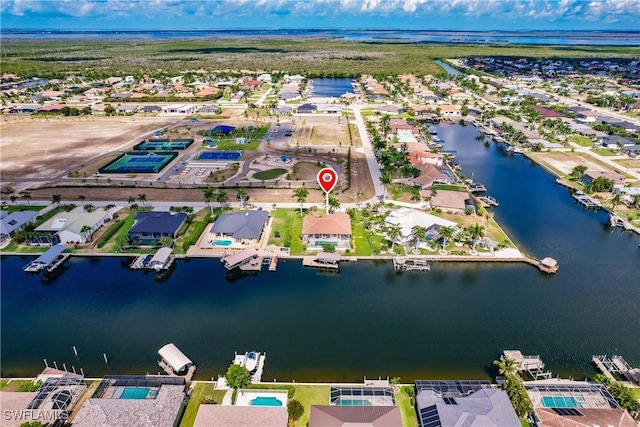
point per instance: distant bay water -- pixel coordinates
(612, 38)
(366, 320)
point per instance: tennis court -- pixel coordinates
(159, 144)
(229, 156)
(139, 162)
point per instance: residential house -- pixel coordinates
(389, 109)
(52, 108)
(75, 226)
(463, 403)
(289, 95)
(149, 227)
(244, 227)
(283, 110)
(408, 218)
(112, 405)
(590, 175)
(11, 223)
(548, 113)
(307, 109)
(330, 109)
(449, 110)
(596, 408)
(151, 109)
(333, 228)
(425, 157)
(241, 416)
(449, 200)
(341, 416)
(429, 175)
(400, 126)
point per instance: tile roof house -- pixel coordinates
(340, 416)
(408, 218)
(245, 227)
(590, 175)
(485, 407)
(424, 157)
(241, 416)
(333, 228)
(429, 175)
(450, 200)
(149, 227)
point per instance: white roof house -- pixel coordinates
(68, 226)
(408, 218)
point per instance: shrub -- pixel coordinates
(276, 234)
(110, 232)
(30, 386)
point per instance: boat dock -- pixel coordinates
(322, 260)
(477, 188)
(273, 263)
(410, 264)
(161, 261)
(254, 362)
(533, 365)
(50, 260)
(614, 365)
(175, 363)
(489, 201)
(586, 201)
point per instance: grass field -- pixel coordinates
(269, 174)
(287, 221)
(407, 411)
(581, 140)
(604, 151)
(202, 393)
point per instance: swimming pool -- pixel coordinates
(353, 402)
(222, 242)
(138, 393)
(559, 402)
(265, 401)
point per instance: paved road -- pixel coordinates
(374, 169)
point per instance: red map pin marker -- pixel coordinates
(327, 178)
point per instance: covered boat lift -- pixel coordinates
(238, 259)
(47, 259)
(174, 362)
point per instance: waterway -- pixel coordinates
(448, 68)
(366, 320)
(331, 87)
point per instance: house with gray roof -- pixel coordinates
(456, 403)
(13, 222)
(149, 227)
(244, 227)
(69, 227)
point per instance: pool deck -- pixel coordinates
(244, 396)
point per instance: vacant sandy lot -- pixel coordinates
(565, 162)
(330, 130)
(46, 148)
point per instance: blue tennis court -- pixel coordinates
(139, 162)
(220, 155)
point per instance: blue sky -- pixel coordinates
(358, 14)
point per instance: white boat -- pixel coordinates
(251, 361)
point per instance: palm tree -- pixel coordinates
(56, 198)
(445, 233)
(334, 203)
(419, 234)
(385, 177)
(109, 207)
(142, 198)
(209, 193)
(131, 200)
(166, 241)
(88, 207)
(242, 196)
(506, 366)
(221, 197)
(617, 199)
(13, 199)
(134, 207)
(393, 232)
(82, 198)
(476, 231)
(27, 196)
(359, 196)
(636, 201)
(86, 232)
(301, 194)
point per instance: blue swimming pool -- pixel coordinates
(353, 402)
(135, 393)
(559, 402)
(265, 401)
(222, 242)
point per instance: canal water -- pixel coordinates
(331, 87)
(366, 320)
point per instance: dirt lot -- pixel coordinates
(565, 162)
(45, 148)
(330, 130)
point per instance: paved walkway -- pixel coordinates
(374, 169)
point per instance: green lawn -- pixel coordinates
(366, 244)
(408, 412)
(635, 392)
(604, 151)
(194, 230)
(14, 385)
(18, 208)
(311, 395)
(581, 140)
(287, 220)
(448, 187)
(201, 392)
(269, 174)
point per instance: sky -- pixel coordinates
(623, 15)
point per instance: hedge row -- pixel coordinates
(110, 232)
(198, 228)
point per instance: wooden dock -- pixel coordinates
(600, 361)
(273, 263)
(254, 264)
(531, 364)
(489, 201)
(310, 261)
(587, 201)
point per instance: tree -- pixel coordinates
(209, 193)
(385, 177)
(109, 207)
(419, 234)
(295, 410)
(617, 200)
(328, 248)
(506, 366)
(89, 207)
(359, 196)
(56, 199)
(131, 200)
(142, 198)
(221, 197)
(86, 232)
(578, 171)
(134, 207)
(602, 184)
(477, 232)
(13, 198)
(334, 203)
(166, 241)
(393, 232)
(445, 233)
(237, 377)
(242, 196)
(82, 198)
(122, 241)
(301, 194)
